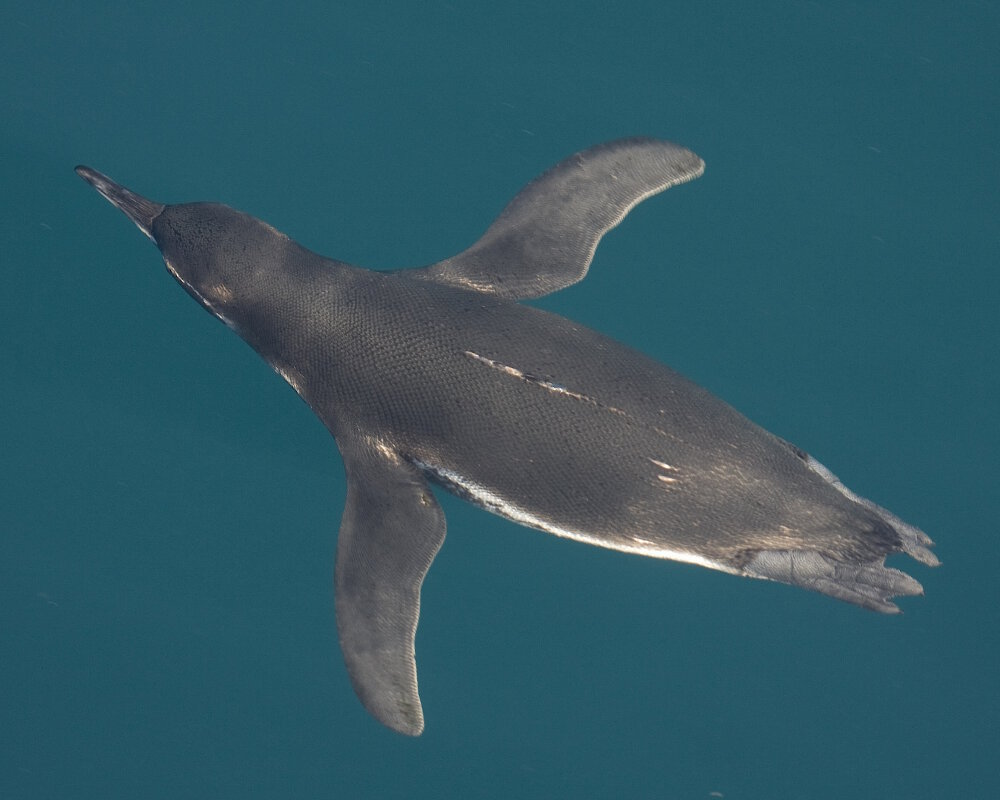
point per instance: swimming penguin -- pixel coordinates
(438, 375)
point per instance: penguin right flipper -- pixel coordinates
(545, 238)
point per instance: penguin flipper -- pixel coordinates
(545, 238)
(391, 530)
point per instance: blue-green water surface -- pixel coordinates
(168, 508)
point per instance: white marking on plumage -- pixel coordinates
(555, 388)
(667, 468)
(488, 499)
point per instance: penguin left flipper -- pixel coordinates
(390, 532)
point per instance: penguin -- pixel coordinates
(440, 376)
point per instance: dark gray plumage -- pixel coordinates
(438, 374)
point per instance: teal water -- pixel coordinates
(168, 508)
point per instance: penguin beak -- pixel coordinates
(136, 207)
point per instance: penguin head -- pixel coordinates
(222, 257)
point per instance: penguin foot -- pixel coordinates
(871, 585)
